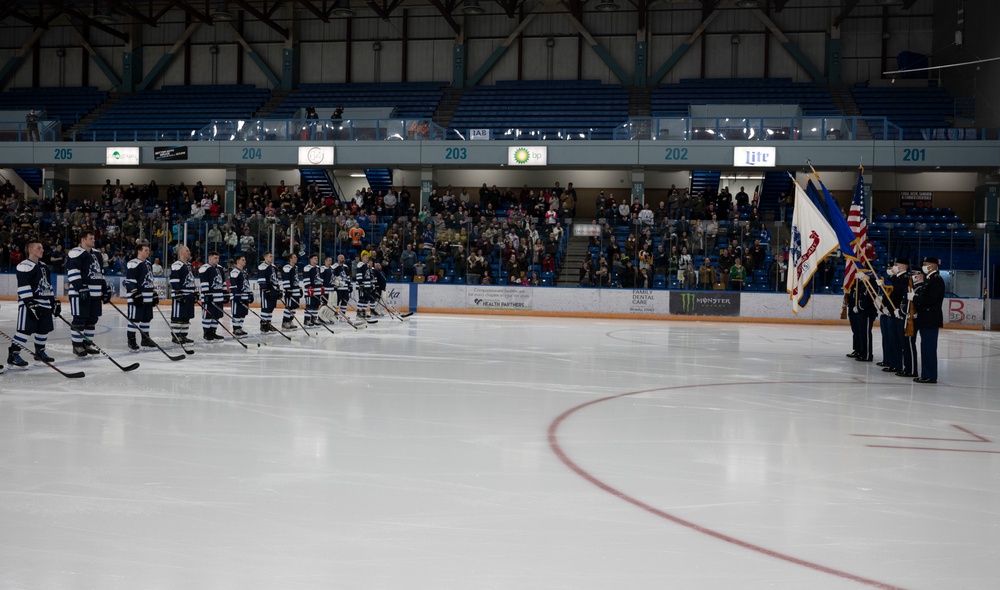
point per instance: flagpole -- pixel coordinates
(859, 255)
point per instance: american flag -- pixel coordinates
(856, 221)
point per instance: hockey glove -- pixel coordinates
(136, 298)
(156, 299)
(56, 307)
(106, 294)
(84, 296)
(249, 297)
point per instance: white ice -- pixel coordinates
(431, 455)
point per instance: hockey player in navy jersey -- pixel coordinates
(314, 290)
(141, 294)
(269, 285)
(213, 296)
(326, 277)
(184, 291)
(365, 280)
(342, 284)
(379, 283)
(292, 286)
(242, 293)
(87, 291)
(36, 303)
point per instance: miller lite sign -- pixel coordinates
(754, 157)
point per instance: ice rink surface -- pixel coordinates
(470, 452)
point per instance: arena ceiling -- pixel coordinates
(112, 15)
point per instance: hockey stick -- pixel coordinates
(131, 367)
(76, 375)
(345, 318)
(297, 320)
(223, 326)
(136, 326)
(286, 336)
(231, 319)
(170, 327)
(403, 317)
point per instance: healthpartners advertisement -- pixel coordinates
(486, 297)
(704, 303)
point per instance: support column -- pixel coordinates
(233, 175)
(54, 179)
(988, 204)
(639, 185)
(427, 184)
(458, 65)
(639, 68)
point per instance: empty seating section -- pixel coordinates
(418, 100)
(548, 108)
(176, 111)
(915, 110)
(675, 100)
(926, 231)
(67, 105)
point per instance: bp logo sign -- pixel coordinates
(527, 156)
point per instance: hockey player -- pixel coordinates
(379, 285)
(36, 303)
(141, 294)
(365, 280)
(292, 286)
(87, 291)
(314, 290)
(342, 283)
(326, 277)
(213, 296)
(269, 285)
(184, 290)
(239, 287)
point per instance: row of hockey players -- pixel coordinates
(321, 285)
(88, 290)
(38, 306)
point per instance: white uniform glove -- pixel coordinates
(910, 295)
(855, 309)
(899, 314)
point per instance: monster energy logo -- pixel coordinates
(687, 302)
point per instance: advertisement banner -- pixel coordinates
(718, 303)
(537, 155)
(122, 156)
(755, 157)
(479, 134)
(916, 199)
(316, 155)
(489, 297)
(167, 154)
(963, 312)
